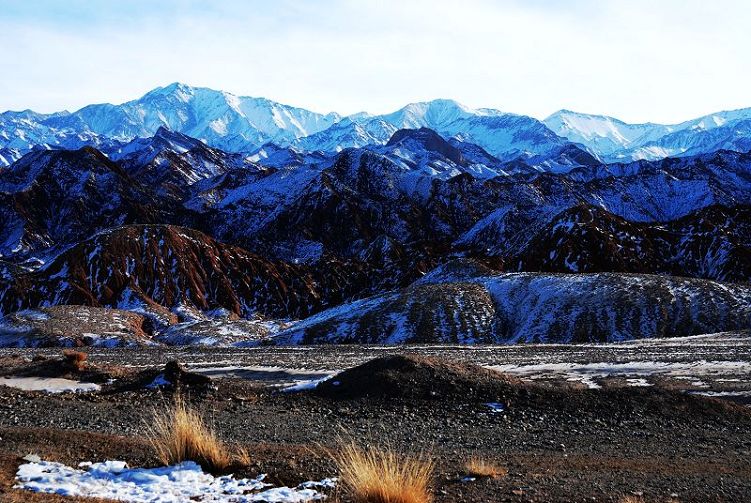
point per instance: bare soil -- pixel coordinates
(559, 442)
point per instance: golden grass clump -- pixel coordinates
(75, 359)
(482, 468)
(181, 434)
(632, 499)
(373, 475)
(640, 499)
(243, 457)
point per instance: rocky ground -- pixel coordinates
(560, 438)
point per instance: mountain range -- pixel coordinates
(200, 212)
(245, 124)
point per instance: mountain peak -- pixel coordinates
(432, 114)
(429, 140)
(163, 132)
(178, 89)
(565, 112)
(437, 105)
(420, 134)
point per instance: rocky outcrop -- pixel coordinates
(75, 326)
(148, 266)
(459, 304)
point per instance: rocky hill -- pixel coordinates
(162, 268)
(461, 303)
(177, 230)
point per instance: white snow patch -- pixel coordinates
(587, 372)
(721, 393)
(495, 407)
(179, 483)
(158, 382)
(638, 382)
(48, 384)
(305, 385)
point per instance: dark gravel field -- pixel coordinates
(564, 434)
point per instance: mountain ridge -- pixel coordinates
(614, 140)
(171, 227)
(244, 124)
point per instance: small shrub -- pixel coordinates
(242, 457)
(482, 468)
(181, 434)
(373, 475)
(76, 360)
(640, 499)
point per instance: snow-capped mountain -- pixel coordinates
(246, 125)
(220, 119)
(613, 140)
(506, 136)
(168, 224)
(242, 124)
(417, 188)
(9, 155)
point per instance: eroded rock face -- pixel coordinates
(138, 267)
(460, 304)
(75, 326)
(714, 242)
(54, 198)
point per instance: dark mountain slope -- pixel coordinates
(458, 303)
(55, 198)
(146, 266)
(714, 242)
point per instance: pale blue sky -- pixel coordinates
(658, 60)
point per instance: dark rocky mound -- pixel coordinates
(423, 377)
(173, 377)
(412, 377)
(71, 365)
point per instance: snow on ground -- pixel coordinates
(280, 375)
(305, 385)
(722, 393)
(638, 382)
(495, 406)
(158, 382)
(179, 483)
(586, 373)
(48, 384)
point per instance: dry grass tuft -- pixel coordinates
(373, 475)
(482, 468)
(242, 457)
(640, 499)
(75, 359)
(181, 434)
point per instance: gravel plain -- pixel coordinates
(636, 427)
